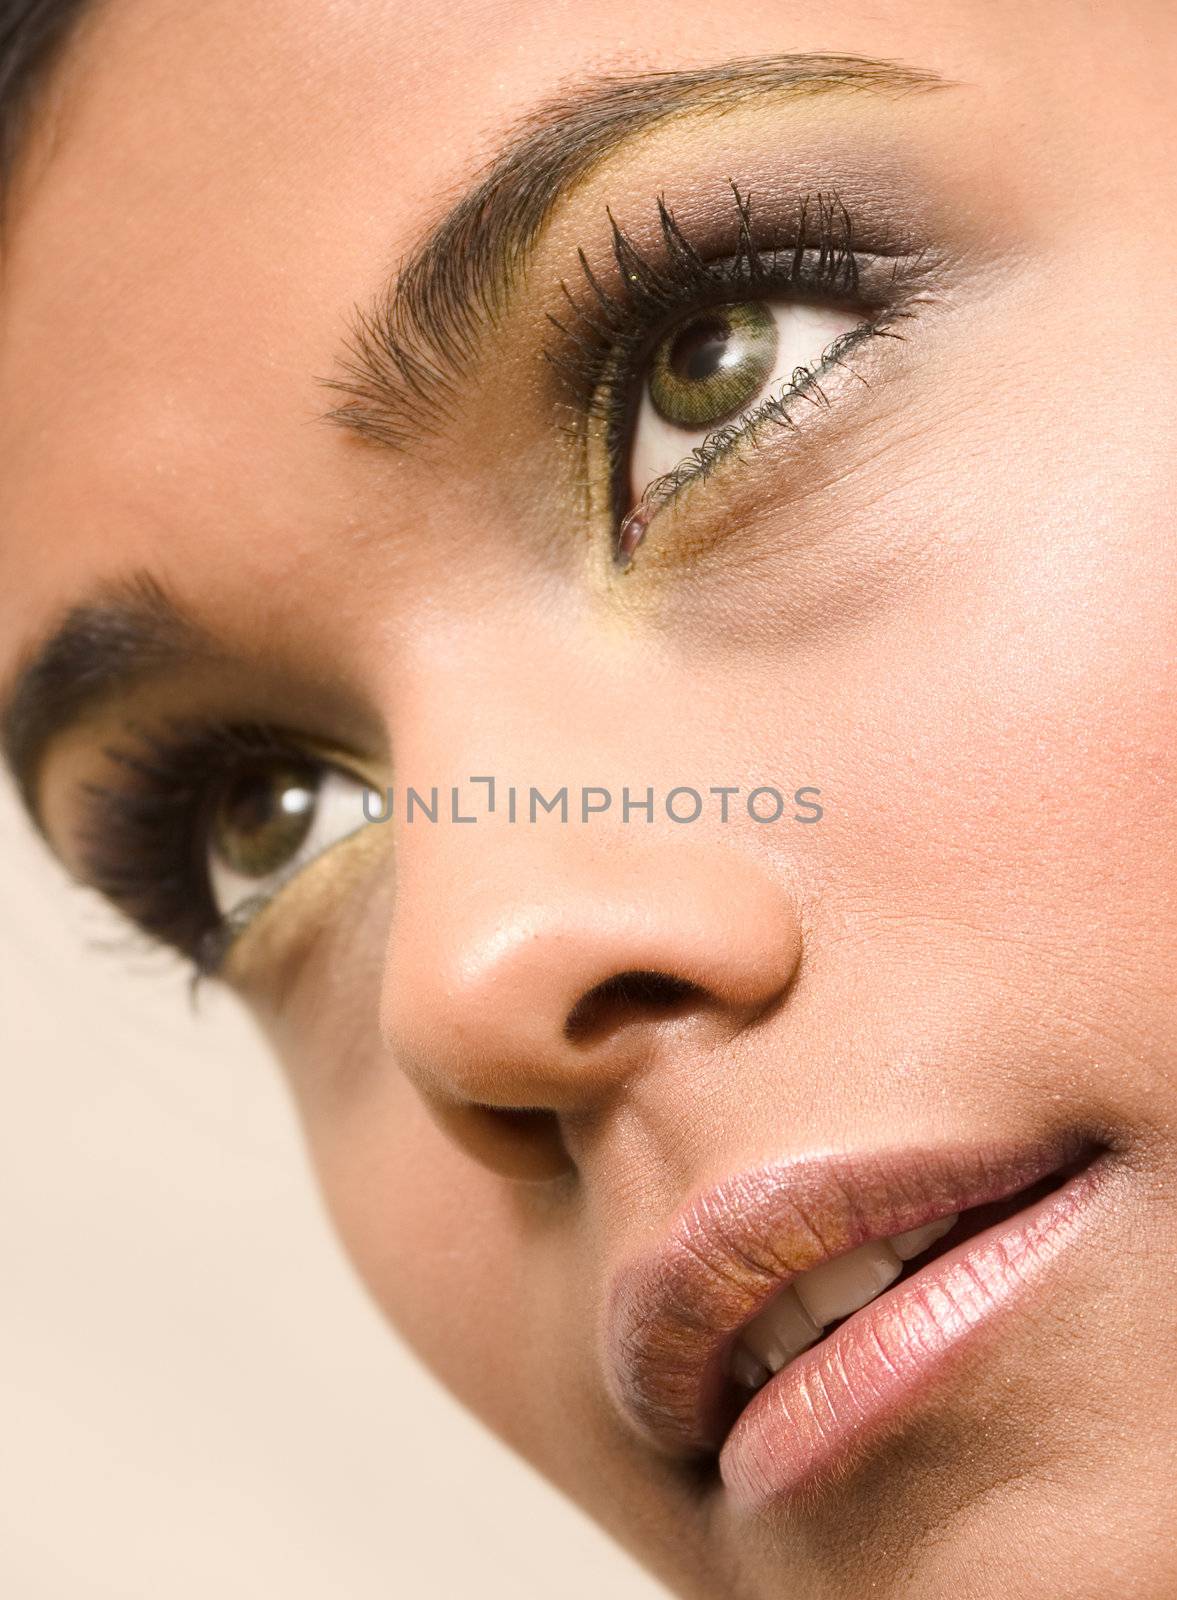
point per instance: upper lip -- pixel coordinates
(673, 1313)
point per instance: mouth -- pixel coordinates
(817, 1302)
(798, 1310)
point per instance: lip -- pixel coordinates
(674, 1313)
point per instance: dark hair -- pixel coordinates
(31, 31)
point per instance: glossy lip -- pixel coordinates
(673, 1314)
(828, 1404)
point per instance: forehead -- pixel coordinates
(213, 188)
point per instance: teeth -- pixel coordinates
(906, 1245)
(838, 1287)
(781, 1331)
(747, 1369)
(795, 1319)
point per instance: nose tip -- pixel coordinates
(516, 1002)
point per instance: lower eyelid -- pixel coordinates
(665, 494)
(269, 949)
(338, 812)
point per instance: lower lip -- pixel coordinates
(841, 1397)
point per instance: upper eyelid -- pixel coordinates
(679, 274)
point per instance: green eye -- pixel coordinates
(263, 818)
(711, 367)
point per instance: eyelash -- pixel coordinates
(608, 335)
(143, 845)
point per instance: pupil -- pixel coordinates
(255, 803)
(700, 350)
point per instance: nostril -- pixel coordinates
(624, 997)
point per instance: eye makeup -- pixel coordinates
(193, 806)
(610, 335)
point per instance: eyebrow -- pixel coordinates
(406, 351)
(101, 648)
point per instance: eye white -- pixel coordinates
(804, 333)
(337, 804)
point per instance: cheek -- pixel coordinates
(438, 1241)
(1001, 817)
(427, 1231)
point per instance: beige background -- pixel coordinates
(196, 1398)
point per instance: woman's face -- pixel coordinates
(585, 1096)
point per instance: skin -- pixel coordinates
(951, 605)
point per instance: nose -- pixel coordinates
(530, 976)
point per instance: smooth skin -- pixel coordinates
(951, 603)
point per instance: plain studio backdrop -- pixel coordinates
(196, 1398)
